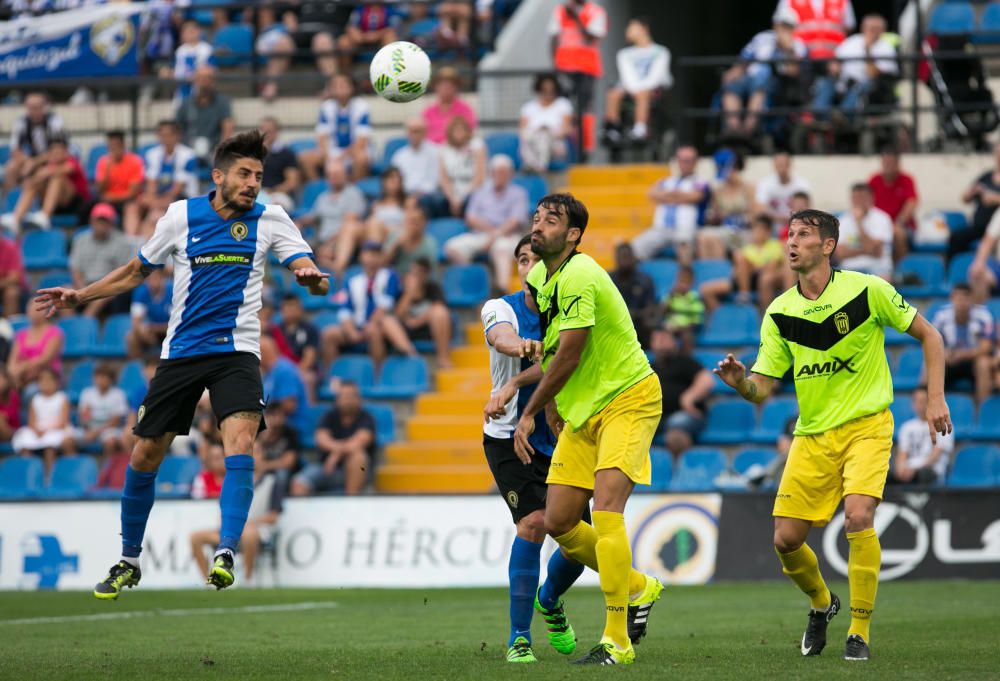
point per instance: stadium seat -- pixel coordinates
(4, 154)
(11, 199)
(988, 425)
(385, 422)
(466, 285)
(80, 376)
(81, 336)
(18, 322)
(72, 477)
(993, 305)
(233, 45)
(44, 250)
(131, 378)
(355, 368)
(310, 193)
(314, 414)
(322, 320)
(988, 32)
(93, 156)
(392, 145)
(20, 477)
(371, 187)
(902, 410)
(402, 378)
(536, 188)
(443, 229)
(302, 144)
(728, 422)
(663, 271)
(893, 337)
(422, 28)
(963, 414)
(952, 18)
(956, 220)
(697, 469)
(975, 466)
(709, 359)
(773, 417)
(662, 462)
(958, 269)
(55, 279)
(112, 343)
(711, 270)
(731, 325)
(929, 269)
(755, 456)
(504, 143)
(906, 373)
(173, 480)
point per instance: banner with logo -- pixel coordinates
(85, 43)
(340, 542)
(924, 535)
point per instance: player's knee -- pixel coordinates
(557, 523)
(858, 518)
(532, 527)
(785, 543)
(147, 455)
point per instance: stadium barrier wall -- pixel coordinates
(460, 541)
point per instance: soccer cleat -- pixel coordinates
(561, 634)
(856, 649)
(120, 575)
(607, 653)
(222, 573)
(521, 651)
(814, 638)
(638, 609)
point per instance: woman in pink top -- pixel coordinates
(36, 347)
(448, 105)
(10, 407)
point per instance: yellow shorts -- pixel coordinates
(853, 458)
(619, 436)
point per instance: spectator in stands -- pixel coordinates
(13, 277)
(60, 184)
(455, 16)
(757, 267)
(276, 450)
(317, 20)
(969, 335)
(275, 43)
(463, 165)
(686, 388)
(97, 251)
(283, 385)
(919, 461)
(343, 130)
(638, 291)
(447, 105)
(412, 243)
(895, 192)
(419, 163)
(206, 117)
(423, 311)
(770, 474)
(102, 411)
(208, 483)
(774, 192)
(10, 406)
(869, 72)
(338, 211)
(372, 25)
(302, 338)
(49, 428)
(152, 303)
(984, 194)
(984, 272)
(545, 125)
(769, 58)
(497, 216)
(191, 54)
(576, 29)
(866, 235)
(136, 394)
(119, 177)
(345, 439)
(37, 347)
(684, 310)
(171, 175)
(681, 199)
(732, 196)
(282, 175)
(387, 211)
(822, 24)
(643, 76)
(30, 136)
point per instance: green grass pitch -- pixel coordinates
(922, 630)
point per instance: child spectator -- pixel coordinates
(757, 267)
(13, 277)
(423, 311)
(152, 303)
(36, 348)
(103, 409)
(684, 310)
(919, 461)
(120, 174)
(343, 130)
(49, 428)
(546, 122)
(192, 53)
(643, 75)
(463, 165)
(10, 407)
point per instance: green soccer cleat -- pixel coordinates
(521, 651)
(638, 610)
(222, 573)
(607, 653)
(120, 575)
(561, 634)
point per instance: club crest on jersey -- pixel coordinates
(842, 322)
(139, 414)
(512, 499)
(239, 231)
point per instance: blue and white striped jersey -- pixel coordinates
(180, 166)
(363, 295)
(218, 273)
(344, 125)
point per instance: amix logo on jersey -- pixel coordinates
(220, 259)
(819, 308)
(833, 366)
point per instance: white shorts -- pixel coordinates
(465, 247)
(27, 440)
(648, 244)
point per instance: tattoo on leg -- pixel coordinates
(246, 415)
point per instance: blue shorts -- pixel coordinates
(994, 266)
(681, 420)
(750, 84)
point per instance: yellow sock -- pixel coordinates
(802, 568)
(580, 544)
(614, 556)
(863, 565)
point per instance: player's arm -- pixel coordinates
(118, 281)
(753, 387)
(938, 417)
(307, 274)
(506, 341)
(496, 407)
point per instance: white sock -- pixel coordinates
(219, 552)
(131, 560)
(639, 130)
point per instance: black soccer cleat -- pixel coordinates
(814, 640)
(638, 610)
(856, 649)
(606, 653)
(121, 575)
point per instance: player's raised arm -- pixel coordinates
(752, 387)
(938, 416)
(503, 337)
(118, 281)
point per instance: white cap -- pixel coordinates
(786, 15)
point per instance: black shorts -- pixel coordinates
(960, 371)
(523, 487)
(233, 383)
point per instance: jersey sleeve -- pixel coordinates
(364, 125)
(163, 243)
(496, 311)
(324, 123)
(286, 239)
(577, 290)
(774, 357)
(889, 306)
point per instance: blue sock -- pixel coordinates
(562, 572)
(237, 493)
(523, 572)
(137, 501)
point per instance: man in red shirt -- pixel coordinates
(13, 278)
(60, 184)
(575, 31)
(895, 192)
(120, 174)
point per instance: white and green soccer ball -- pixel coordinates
(400, 71)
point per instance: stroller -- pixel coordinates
(965, 107)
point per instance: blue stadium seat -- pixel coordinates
(988, 425)
(504, 143)
(728, 422)
(93, 156)
(4, 154)
(906, 373)
(371, 187)
(697, 469)
(731, 325)
(112, 343)
(72, 477)
(326, 319)
(929, 269)
(356, 368)
(754, 456)
(711, 270)
(131, 378)
(173, 480)
(466, 285)
(443, 229)
(989, 25)
(963, 414)
(11, 199)
(310, 193)
(932, 308)
(709, 359)
(402, 378)
(536, 188)
(55, 279)
(958, 268)
(993, 305)
(18, 322)
(975, 466)
(302, 144)
(902, 410)
(314, 414)
(20, 477)
(385, 422)
(893, 337)
(44, 250)
(80, 376)
(956, 220)
(663, 271)
(233, 45)
(662, 462)
(422, 28)
(81, 336)
(392, 145)
(773, 417)
(952, 18)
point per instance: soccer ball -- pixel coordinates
(400, 71)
